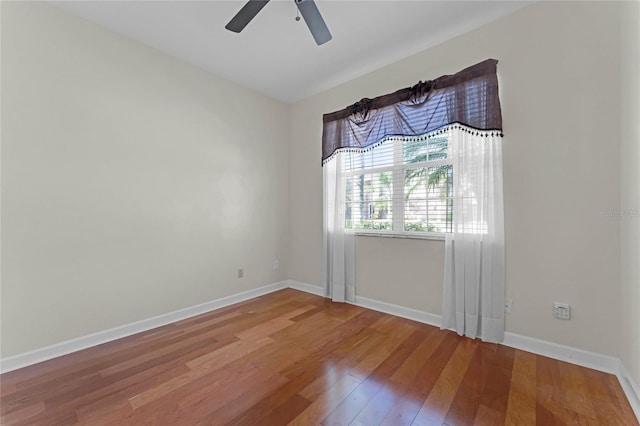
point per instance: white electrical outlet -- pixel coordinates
(508, 304)
(562, 310)
(276, 264)
(240, 273)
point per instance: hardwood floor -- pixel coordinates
(294, 358)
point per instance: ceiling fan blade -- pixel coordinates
(245, 15)
(314, 21)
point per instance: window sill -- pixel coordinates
(416, 236)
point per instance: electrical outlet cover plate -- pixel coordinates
(508, 305)
(562, 310)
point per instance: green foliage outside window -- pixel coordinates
(425, 188)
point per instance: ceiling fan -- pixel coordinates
(307, 8)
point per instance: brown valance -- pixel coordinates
(469, 97)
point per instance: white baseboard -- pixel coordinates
(596, 361)
(569, 354)
(630, 388)
(308, 288)
(63, 348)
(399, 311)
(593, 360)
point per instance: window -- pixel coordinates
(404, 185)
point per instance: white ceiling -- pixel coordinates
(275, 54)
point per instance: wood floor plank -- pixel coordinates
(611, 407)
(391, 364)
(115, 413)
(495, 394)
(284, 413)
(426, 377)
(201, 367)
(122, 386)
(326, 401)
(265, 329)
(250, 320)
(336, 371)
(343, 311)
(550, 402)
(203, 325)
(487, 416)
(172, 407)
(236, 403)
(136, 380)
(521, 408)
(283, 297)
(7, 389)
(137, 377)
(351, 406)
(303, 373)
(436, 406)
(198, 399)
(23, 414)
(374, 358)
(390, 324)
(307, 314)
(576, 394)
(405, 409)
(624, 409)
(37, 384)
(406, 373)
(466, 402)
(274, 325)
(271, 406)
(165, 352)
(229, 353)
(381, 404)
(318, 325)
(294, 358)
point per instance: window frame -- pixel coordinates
(397, 168)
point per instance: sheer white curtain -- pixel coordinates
(338, 272)
(473, 300)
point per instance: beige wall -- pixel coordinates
(132, 184)
(377, 273)
(630, 186)
(558, 75)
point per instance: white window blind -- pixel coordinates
(403, 185)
